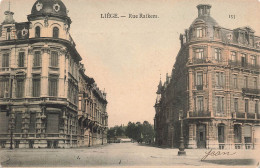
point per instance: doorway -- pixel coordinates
(201, 136)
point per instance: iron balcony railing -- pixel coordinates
(251, 91)
(199, 114)
(198, 61)
(244, 65)
(239, 115)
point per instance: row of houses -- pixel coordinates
(213, 88)
(46, 99)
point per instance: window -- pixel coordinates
(37, 32)
(219, 79)
(53, 86)
(247, 133)
(55, 32)
(18, 123)
(237, 133)
(236, 104)
(245, 81)
(199, 104)
(199, 81)
(5, 60)
(54, 62)
(21, 59)
(255, 82)
(256, 107)
(37, 59)
(32, 123)
(246, 106)
(253, 60)
(20, 88)
(233, 56)
(199, 53)
(235, 81)
(4, 88)
(8, 34)
(243, 60)
(36, 86)
(220, 105)
(218, 54)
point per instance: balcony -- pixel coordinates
(243, 65)
(239, 115)
(251, 116)
(249, 91)
(199, 114)
(198, 61)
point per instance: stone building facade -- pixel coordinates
(93, 117)
(40, 72)
(214, 88)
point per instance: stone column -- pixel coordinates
(191, 103)
(210, 88)
(45, 68)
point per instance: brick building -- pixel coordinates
(214, 85)
(40, 72)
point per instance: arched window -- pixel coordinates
(55, 32)
(37, 32)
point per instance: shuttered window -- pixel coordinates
(36, 86)
(54, 60)
(21, 59)
(3, 123)
(5, 60)
(18, 123)
(4, 88)
(53, 86)
(32, 123)
(53, 123)
(20, 88)
(247, 133)
(37, 59)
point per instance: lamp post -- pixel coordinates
(102, 136)
(11, 140)
(181, 151)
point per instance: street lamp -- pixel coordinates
(11, 140)
(181, 151)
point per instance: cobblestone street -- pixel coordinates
(127, 154)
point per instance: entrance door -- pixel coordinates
(201, 136)
(221, 136)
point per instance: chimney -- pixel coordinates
(204, 10)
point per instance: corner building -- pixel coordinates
(214, 85)
(39, 79)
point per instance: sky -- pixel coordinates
(126, 56)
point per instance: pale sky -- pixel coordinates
(126, 56)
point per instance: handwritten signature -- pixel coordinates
(216, 153)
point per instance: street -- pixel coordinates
(123, 154)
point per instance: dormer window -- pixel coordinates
(55, 32)
(37, 32)
(200, 32)
(229, 37)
